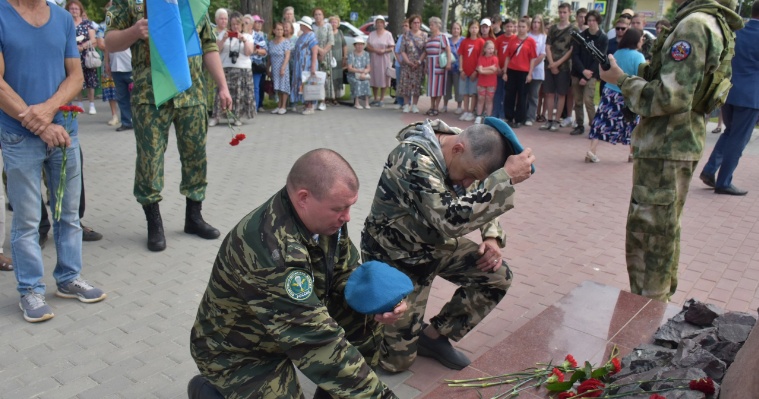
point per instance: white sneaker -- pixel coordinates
(463, 115)
(478, 120)
(367, 107)
(294, 109)
(397, 106)
(114, 121)
(458, 111)
(445, 109)
(238, 123)
(406, 109)
(469, 117)
(261, 109)
(308, 111)
(414, 109)
(566, 122)
(322, 106)
(213, 122)
(528, 123)
(93, 111)
(275, 111)
(282, 111)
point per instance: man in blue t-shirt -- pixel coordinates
(34, 134)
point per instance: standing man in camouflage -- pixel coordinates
(688, 77)
(128, 28)
(276, 297)
(424, 205)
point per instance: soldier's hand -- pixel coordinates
(225, 99)
(37, 117)
(519, 167)
(141, 29)
(55, 136)
(395, 315)
(613, 74)
(490, 256)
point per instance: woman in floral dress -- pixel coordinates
(412, 72)
(358, 72)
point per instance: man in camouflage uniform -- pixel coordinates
(275, 298)
(419, 216)
(128, 28)
(669, 140)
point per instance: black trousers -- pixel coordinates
(515, 102)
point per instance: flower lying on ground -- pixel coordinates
(69, 115)
(567, 380)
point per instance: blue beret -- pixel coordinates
(515, 147)
(375, 287)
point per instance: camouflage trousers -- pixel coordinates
(477, 295)
(275, 376)
(151, 131)
(652, 243)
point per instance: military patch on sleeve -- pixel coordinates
(108, 19)
(299, 285)
(680, 50)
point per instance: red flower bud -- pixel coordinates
(64, 108)
(234, 142)
(571, 360)
(75, 108)
(559, 375)
(591, 388)
(617, 365)
(240, 136)
(705, 385)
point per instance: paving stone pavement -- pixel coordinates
(567, 227)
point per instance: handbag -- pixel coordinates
(313, 87)
(390, 72)
(333, 62)
(92, 58)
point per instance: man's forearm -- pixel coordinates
(120, 40)
(10, 102)
(68, 89)
(213, 63)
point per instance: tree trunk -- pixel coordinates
(492, 7)
(262, 8)
(415, 7)
(396, 16)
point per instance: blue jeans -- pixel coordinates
(122, 81)
(24, 157)
(257, 89)
(739, 125)
(499, 98)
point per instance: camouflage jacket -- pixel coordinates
(125, 13)
(416, 210)
(669, 128)
(267, 298)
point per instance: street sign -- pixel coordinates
(600, 6)
(354, 16)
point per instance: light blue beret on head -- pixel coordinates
(515, 147)
(376, 287)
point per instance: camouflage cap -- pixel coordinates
(376, 287)
(512, 142)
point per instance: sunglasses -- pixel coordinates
(620, 28)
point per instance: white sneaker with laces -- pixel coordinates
(93, 111)
(414, 109)
(275, 111)
(566, 122)
(322, 107)
(458, 111)
(406, 109)
(528, 123)
(282, 111)
(238, 123)
(478, 120)
(213, 122)
(469, 117)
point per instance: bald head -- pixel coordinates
(318, 170)
(486, 146)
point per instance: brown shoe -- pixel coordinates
(6, 264)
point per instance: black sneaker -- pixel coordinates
(90, 235)
(578, 130)
(441, 350)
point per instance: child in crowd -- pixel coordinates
(469, 52)
(359, 71)
(487, 70)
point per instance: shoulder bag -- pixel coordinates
(92, 58)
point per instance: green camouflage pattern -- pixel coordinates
(123, 14)
(652, 245)
(560, 41)
(416, 224)
(669, 128)
(275, 301)
(151, 131)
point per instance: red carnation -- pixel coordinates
(705, 385)
(617, 365)
(234, 142)
(559, 375)
(75, 108)
(566, 395)
(591, 388)
(657, 396)
(240, 137)
(64, 108)
(571, 360)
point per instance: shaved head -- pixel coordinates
(318, 170)
(487, 146)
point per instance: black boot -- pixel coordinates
(156, 240)
(194, 223)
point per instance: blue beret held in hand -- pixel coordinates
(375, 288)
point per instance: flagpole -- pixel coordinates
(147, 41)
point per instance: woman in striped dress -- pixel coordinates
(436, 75)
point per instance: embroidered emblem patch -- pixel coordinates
(108, 19)
(680, 50)
(138, 8)
(299, 285)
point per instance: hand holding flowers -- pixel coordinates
(60, 136)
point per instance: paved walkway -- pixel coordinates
(567, 227)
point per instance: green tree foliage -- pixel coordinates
(512, 7)
(95, 10)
